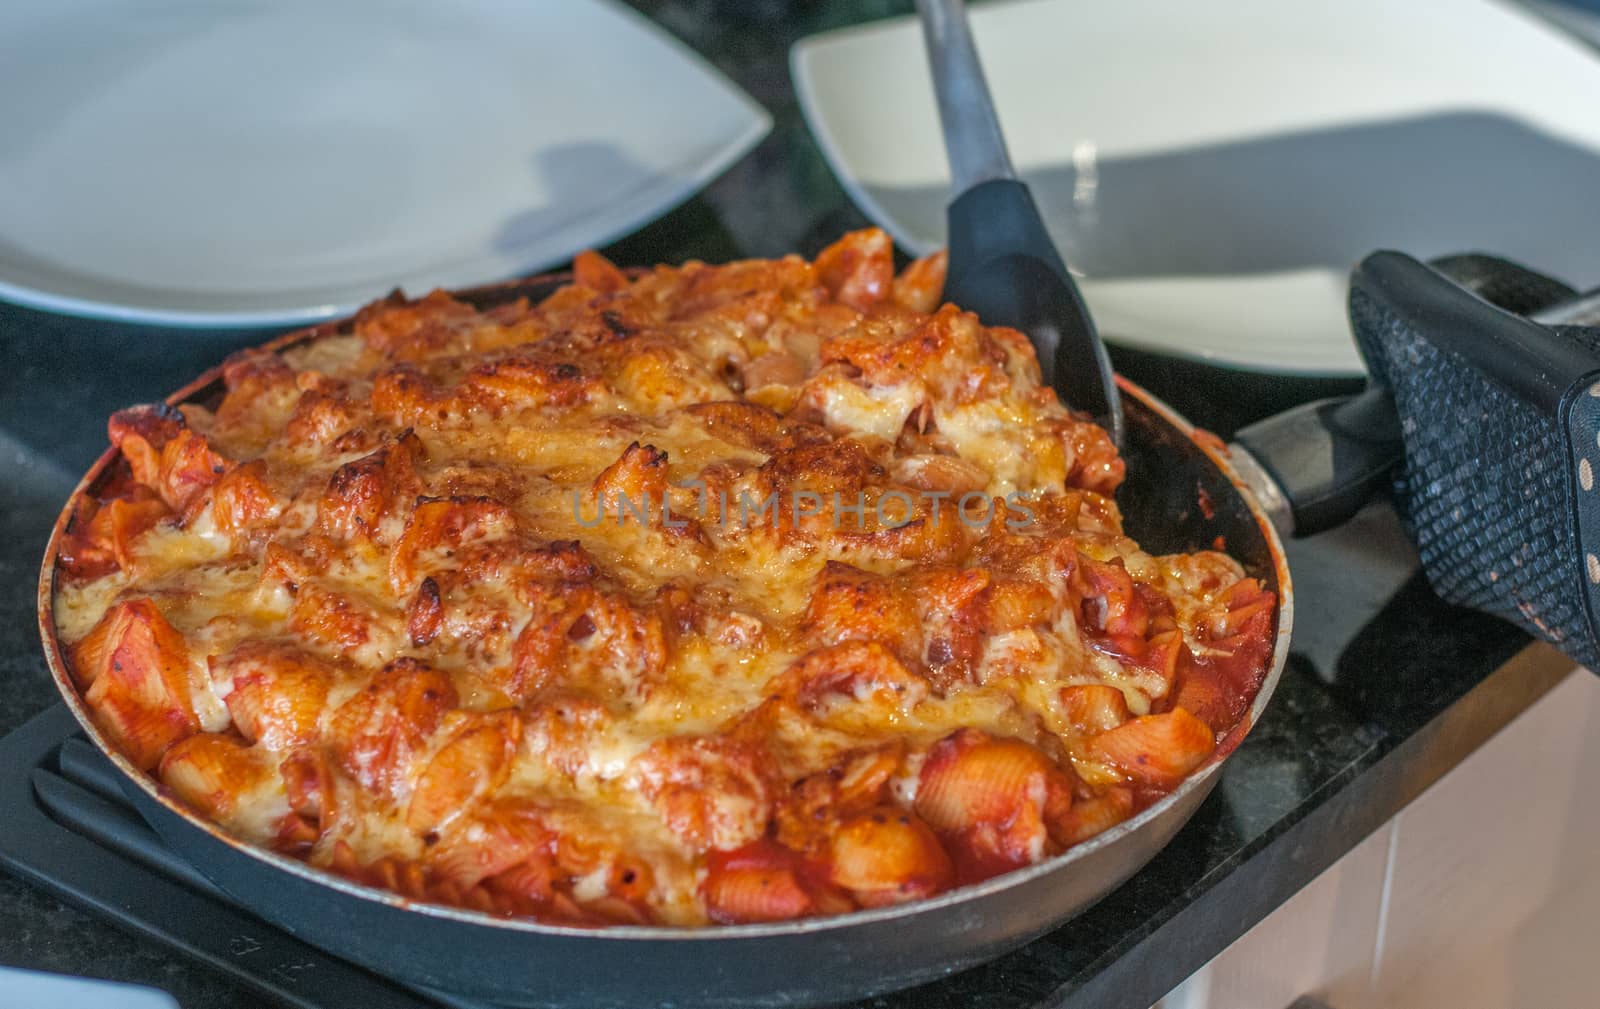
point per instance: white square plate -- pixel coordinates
(38, 990)
(1213, 170)
(240, 163)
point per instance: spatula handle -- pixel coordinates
(972, 136)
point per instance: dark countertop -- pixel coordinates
(1387, 690)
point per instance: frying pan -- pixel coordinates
(1181, 494)
(1511, 528)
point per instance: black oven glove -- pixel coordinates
(1499, 482)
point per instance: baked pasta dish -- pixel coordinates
(703, 594)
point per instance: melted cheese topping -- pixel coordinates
(545, 604)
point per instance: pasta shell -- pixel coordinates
(888, 855)
(103, 534)
(632, 488)
(469, 766)
(864, 671)
(862, 778)
(616, 911)
(296, 835)
(91, 655)
(243, 498)
(1094, 707)
(136, 666)
(848, 604)
(748, 895)
(1203, 692)
(278, 693)
(376, 735)
(596, 272)
(141, 732)
(1089, 817)
(711, 791)
(189, 466)
(1247, 601)
(444, 523)
(490, 841)
(939, 472)
(530, 883)
(135, 645)
(1012, 605)
(990, 799)
(1157, 750)
(128, 520)
(1112, 605)
(1162, 654)
(308, 785)
(920, 286)
(86, 550)
(759, 882)
(858, 269)
(857, 781)
(140, 432)
(398, 326)
(361, 492)
(164, 454)
(218, 775)
(972, 778)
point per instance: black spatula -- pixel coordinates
(1003, 265)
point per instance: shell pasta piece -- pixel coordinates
(1158, 750)
(888, 855)
(135, 667)
(994, 800)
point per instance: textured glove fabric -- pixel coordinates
(1484, 489)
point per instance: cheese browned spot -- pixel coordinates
(717, 593)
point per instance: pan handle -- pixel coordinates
(1482, 414)
(1316, 465)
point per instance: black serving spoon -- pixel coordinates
(1003, 265)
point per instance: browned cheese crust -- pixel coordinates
(713, 593)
